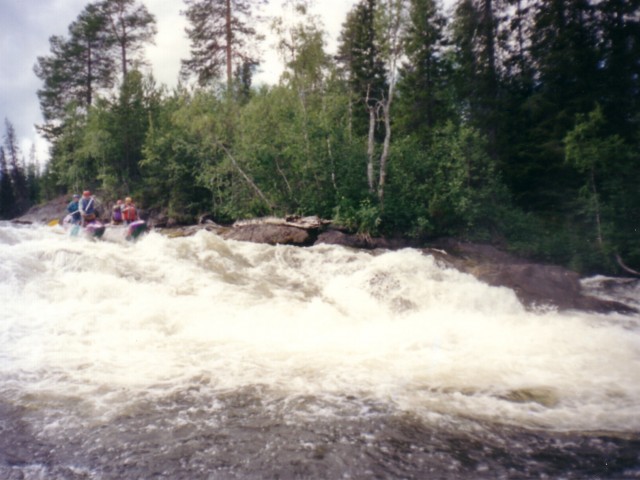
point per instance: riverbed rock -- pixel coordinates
(269, 234)
(535, 284)
(338, 237)
(52, 210)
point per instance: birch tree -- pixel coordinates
(364, 69)
(391, 20)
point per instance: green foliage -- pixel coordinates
(361, 63)
(450, 188)
(425, 95)
(500, 117)
(608, 197)
(363, 219)
(179, 153)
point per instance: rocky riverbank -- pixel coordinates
(534, 283)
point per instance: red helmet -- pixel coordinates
(86, 193)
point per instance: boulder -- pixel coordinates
(535, 284)
(55, 209)
(337, 237)
(269, 233)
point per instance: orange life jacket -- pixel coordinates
(129, 213)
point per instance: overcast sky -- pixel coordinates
(26, 25)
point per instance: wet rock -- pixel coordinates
(53, 210)
(338, 237)
(269, 234)
(535, 284)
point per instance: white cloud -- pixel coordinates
(171, 43)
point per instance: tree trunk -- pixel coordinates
(597, 211)
(371, 146)
(89, 93)
(124, 60)
(229, 35)
(386, 106)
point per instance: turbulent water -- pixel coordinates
(198, 358)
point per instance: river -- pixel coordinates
(199, 358)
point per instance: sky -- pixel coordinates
(26, 25)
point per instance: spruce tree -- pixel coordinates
(16, 169)
(7, 198)
(619, 60)
(477, 79)
(424, 95)
(364, 69)
(359, 57)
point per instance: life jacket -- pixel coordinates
(117, 213)
(86, 206)
(129, 213)
(72, 208)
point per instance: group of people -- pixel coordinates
(83, 210)
(124, 212)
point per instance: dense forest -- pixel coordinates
(514, 122)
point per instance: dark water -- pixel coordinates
(253, 435)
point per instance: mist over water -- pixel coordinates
(202, 358)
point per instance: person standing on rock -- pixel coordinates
(87, 208)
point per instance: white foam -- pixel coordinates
(92, 318)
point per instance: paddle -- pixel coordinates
(54, 222)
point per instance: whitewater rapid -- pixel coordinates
(90, 330)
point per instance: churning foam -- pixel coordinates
(94, 319)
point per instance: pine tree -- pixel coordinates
(76, 69)
(131, 27)
(221, 35)
(359, 55)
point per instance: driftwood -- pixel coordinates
(305, 223)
